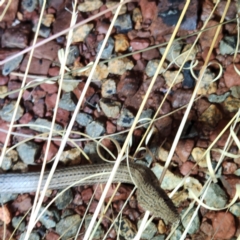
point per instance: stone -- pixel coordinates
(181, 97)
(108, 88)
(37, 66)
(3, 91)
(232, 104)
(7, 111)
(47, 20)
(81, 32)
(146, 114)
(120, 66)
(28, 151)
(47, 218)
(89, 5)
(44, 31)
(126, 118)
(11, 12)
(107, 51)
(216, 196)
(139, 43)
(95, 129)
(9, 158)
(22, 204)
(123, 9)
(64, 199)
(49, 88)
(123, 23)
(228, 45)
(169, 76)
(197, 154)
(73, 54)
(69, 85)
(43, 125)
(214, 98)
(149, 231)
(5, 215)
(121, 43)
(66, 102)
(7, 197)
(90, 149)
(211, 116)
(187, 168)
(125, 228)
(184, 149)
(235, 91)
(231, 77)
(170, 180)
(195, 224)
(32, 236)
(207, 86)
(152, 67)
(19, 223)
(99, 231)
(71, 223)
(151, 54)
(16, 37)
(188, 80)
(83, 119)
(110, 108)
(235, 209)
(137, 18)
(29, 5)
(11, 65)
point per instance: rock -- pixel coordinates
(5, 215)
(107, 51)
(108, 88)
(194, 185)
(44, 31)
(237, 172)
(149, 231)
(188, 80)
(22, 204)
(146, 114)
(19, 223)
(139, 43)
(214, 98)
(170, 180)
(224, 226)
(232, 104)
(28, 151)
(99, 233)
(29, 5)
(195, 224)
(235, 91)
(235, 209)
(3, 91)
(83, 119)
(20, 166)
(95, 129)
(37, 66)
(137, 18)
(125, 228)
(215, 197)
(52, 236)
(7, 111)
(47, 219)
(7, 197)
(32, 236)
(90, 149)
(229, 167)
(73, 54)
(181, 97)
(152, 67)
(66, 102)
(207, 86)
(81, 32)
(120, 66)
(89, 5)
(231, 77)
(71, 156)
(49, 88)
(123, 23)
(125, 119)
(211, 116)
(110, 4)
(9, 158)
(64, 199)
(16, 37)
(177, 234)
(184, 149)
(11, 12)
(170, 76)
(110, 108)
(187, 168)
(197, 154)
(228, 45)
(69, 85)
(47, 20)
(71, 223)
(43, 125)
(121, 43)
(11, 65)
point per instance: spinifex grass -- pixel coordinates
(123, 152)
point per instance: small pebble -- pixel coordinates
(7, 111)
(126, 118)
(89, 5)
(110, 108)
(11, 65)
(16, 223)
(107, 51)
(95, 129)
(123, 23)
(64, 199)
(83, 119)
(66, 102)
(195, 224)
(149, 231)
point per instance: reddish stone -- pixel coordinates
(4, 126)
(50, 101)
(22, 204)
(51, 152)
(136, 56)
(78, 91)
(77, 199)
(62, 116)
(224, 226)
(87, 194)
(53, 71)
(39, 108)
(149, 9)
(229, 167)
(231, 12)
(139, 43)
(164, 126)
(10, 14)
(37, 94)
(187, 168)
(184, 149)
(181, 97)
(151, 54)
(5, 214)
(110, 127)
(26, 118)
(229, 183)
(205, 53)
(207, 228)
(3, 80)
(231, 77)
(7, 52)
(37, 66)
(23, 134)
(52, 236)
(14, 85)
(49, 88)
